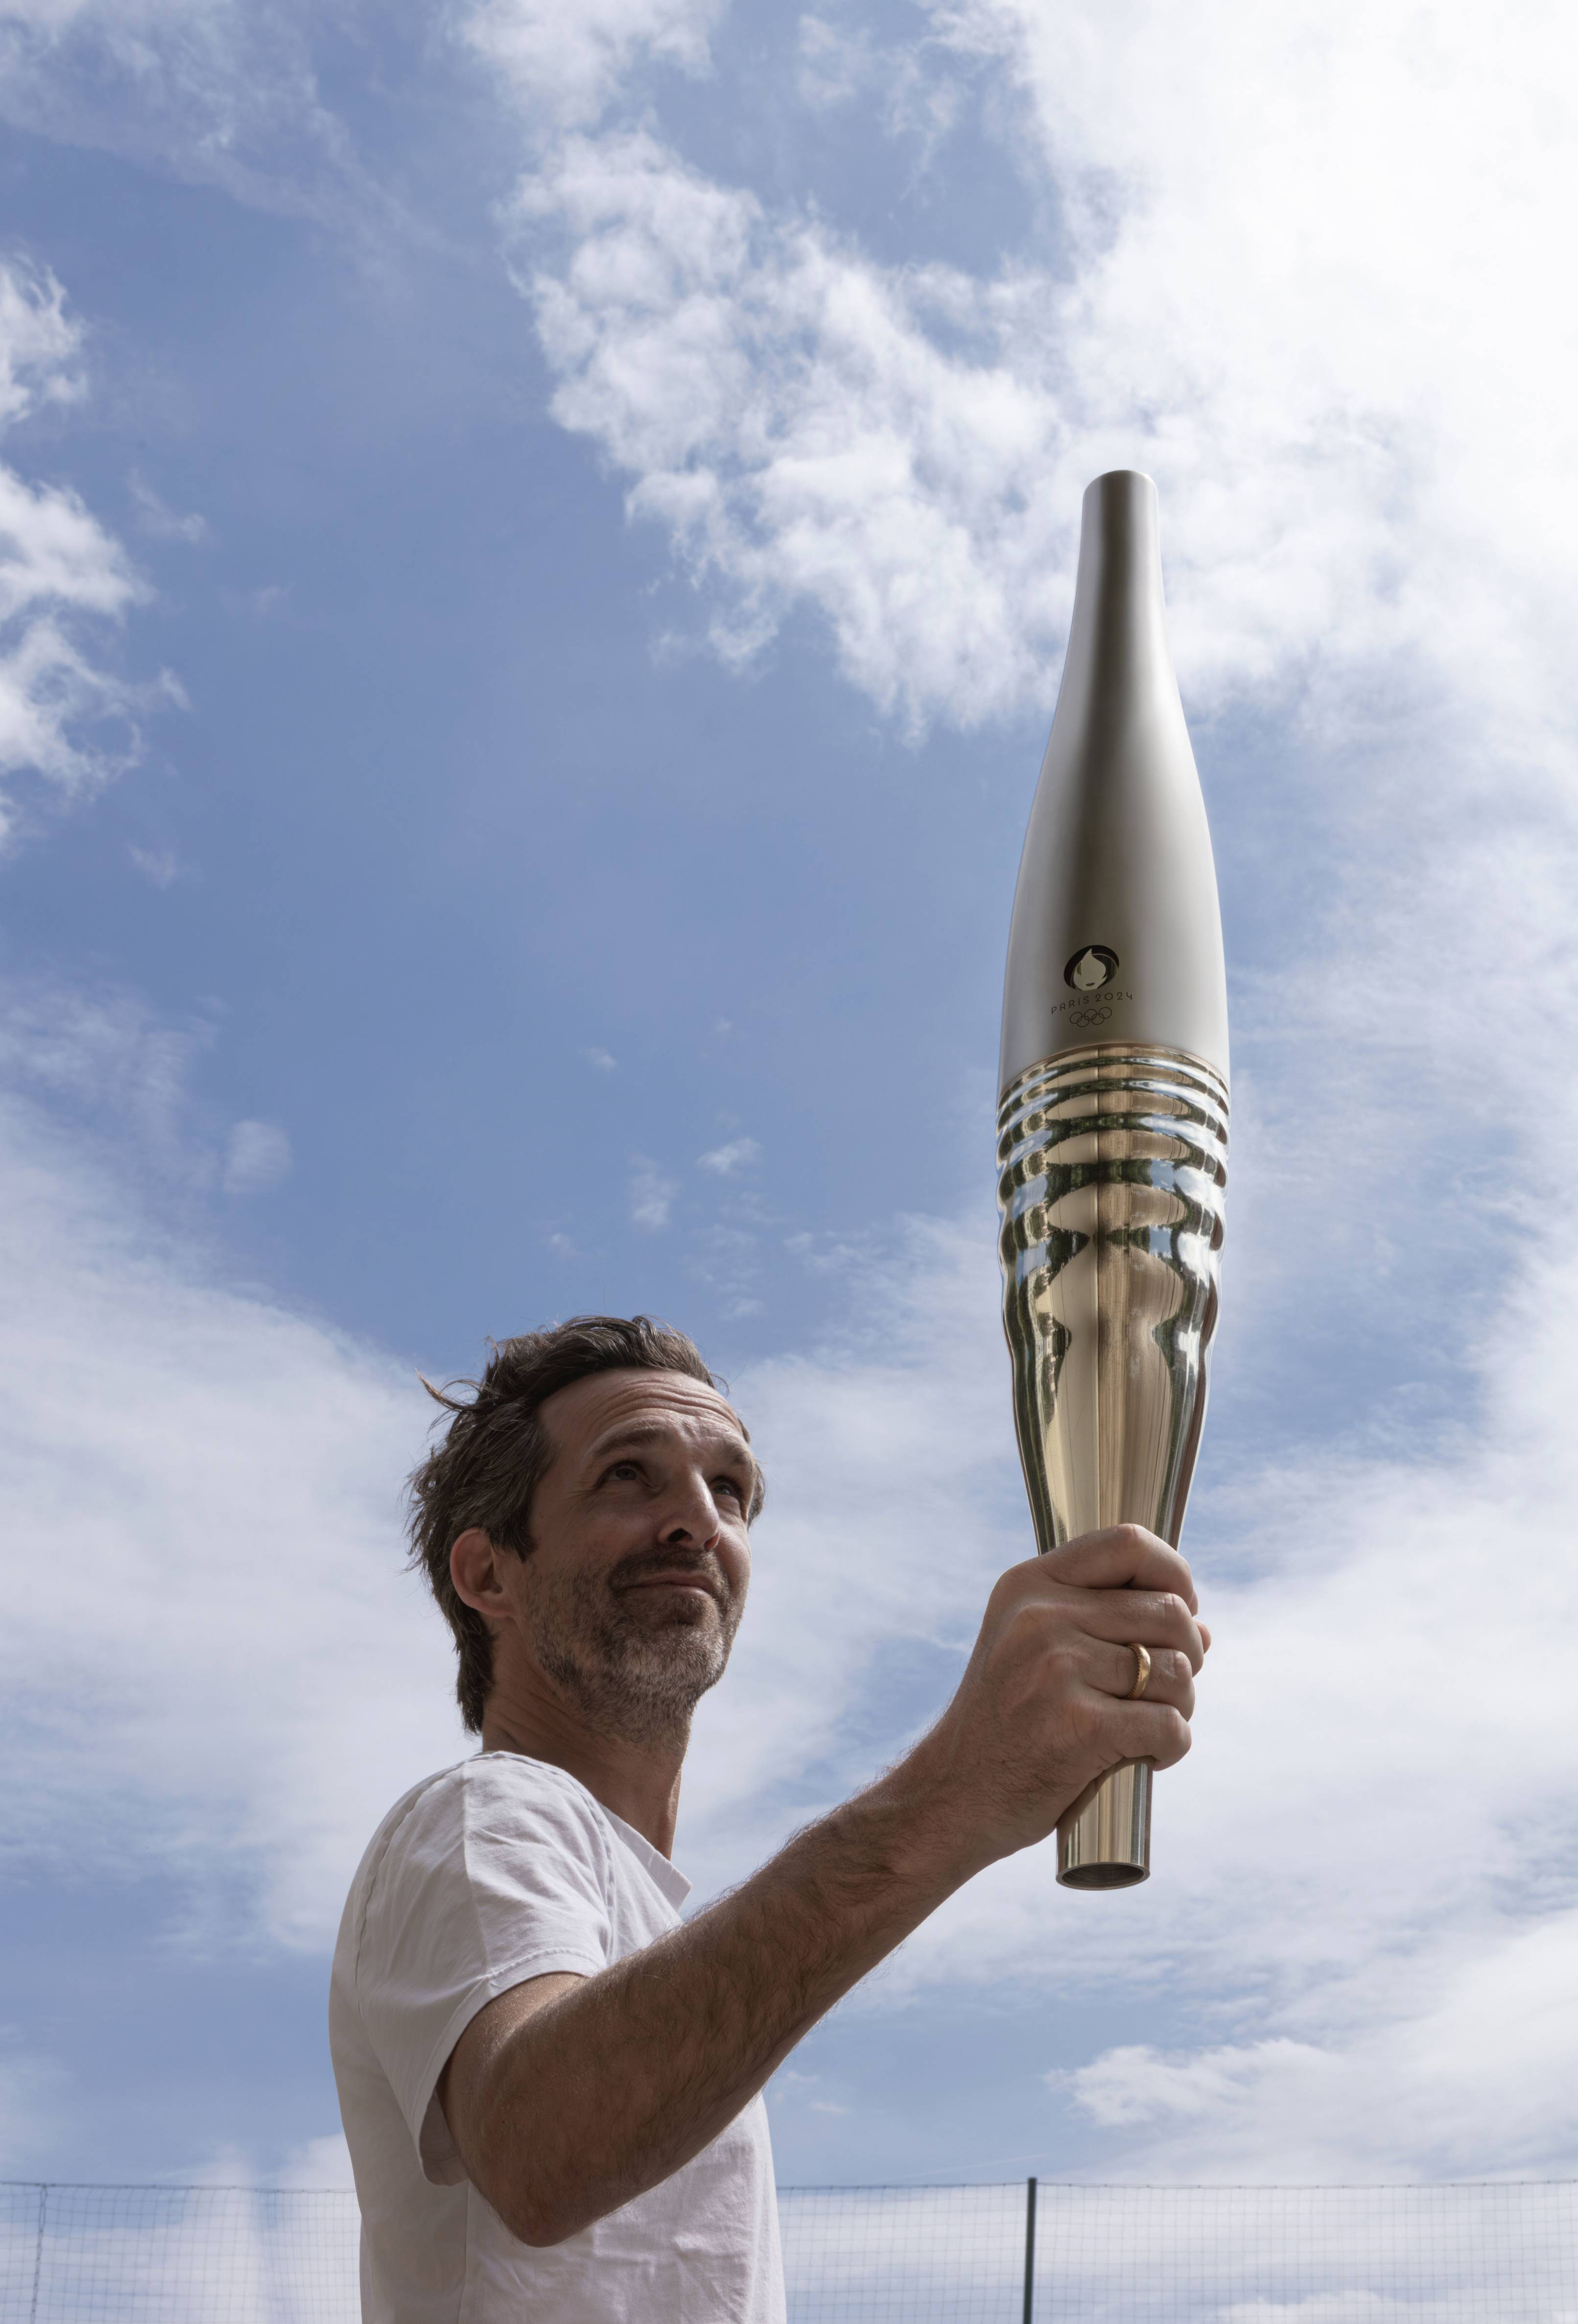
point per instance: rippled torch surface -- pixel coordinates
(1113, 1122)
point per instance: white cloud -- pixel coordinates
(563, 64)
(108, 1067)
(833, 64)
(159, 865)
(790, 423)
(651, 1195)
(1301, 284)
(161, 522)
(56, 553)
(728, 1260)
(210, 89)
(63, 714)
(321, 2162)
(604, 1063)
(236, 1680)
(1474, 2076)
(725, 1160)
(257, 1155)
(38, 342)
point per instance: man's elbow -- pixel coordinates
(541, 2233)
(538, 2219)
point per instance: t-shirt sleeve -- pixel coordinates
(498, 1873)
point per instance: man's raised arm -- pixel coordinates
(567, 2096)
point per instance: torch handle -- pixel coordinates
(1103, 1840)
(1112, 1168)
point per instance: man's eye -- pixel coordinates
(621, 1471)
(729, 1485)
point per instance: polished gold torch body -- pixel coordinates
(1112, 1120)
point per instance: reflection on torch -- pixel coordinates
(1113, 1122)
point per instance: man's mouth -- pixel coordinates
(693, 1585)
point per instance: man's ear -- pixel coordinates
(473, 1569)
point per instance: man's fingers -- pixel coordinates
(1123, 1617)
(1121, 1557)
(1127, 1616)
(1148, 1731)
(1114, 1670)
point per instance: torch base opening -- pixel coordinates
(1104, 1839)
(1104, 1876)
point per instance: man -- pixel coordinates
(550, 2085)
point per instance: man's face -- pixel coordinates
(636, 1579)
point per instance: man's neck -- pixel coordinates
(639, 1783)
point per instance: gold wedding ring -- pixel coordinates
(1141, 1671)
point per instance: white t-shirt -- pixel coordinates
(500, 1869)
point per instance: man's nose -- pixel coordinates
(692, 1515)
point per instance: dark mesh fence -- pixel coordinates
(1476, 2254)
(1497, 2253)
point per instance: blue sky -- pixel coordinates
(534, 557)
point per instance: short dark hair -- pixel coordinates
(496, 1451)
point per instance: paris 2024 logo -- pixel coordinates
(1089, 972)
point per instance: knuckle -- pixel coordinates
(1062, 1655)
(1006, 1590)
(1180, 1622)
(1086, 1720)
(1026, 1620)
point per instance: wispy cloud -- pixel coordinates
(563, 65)
(834, 63)
(257, 1155)
(112, 1073)
(223, 94)
(162, 523)
(725, 1160)
(901, 447)
(65, 715)
(651, 1195)
(38, 342)
(199, 1446)
(160, 866)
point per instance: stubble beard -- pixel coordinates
(632, 1671)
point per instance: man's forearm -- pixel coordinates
(609, 2089)
(564, 2108)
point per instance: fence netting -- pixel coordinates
(1494, 2253)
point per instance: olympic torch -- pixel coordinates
(1112, 1120)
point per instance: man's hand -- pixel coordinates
(568, 2097)
(1042, 1709)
